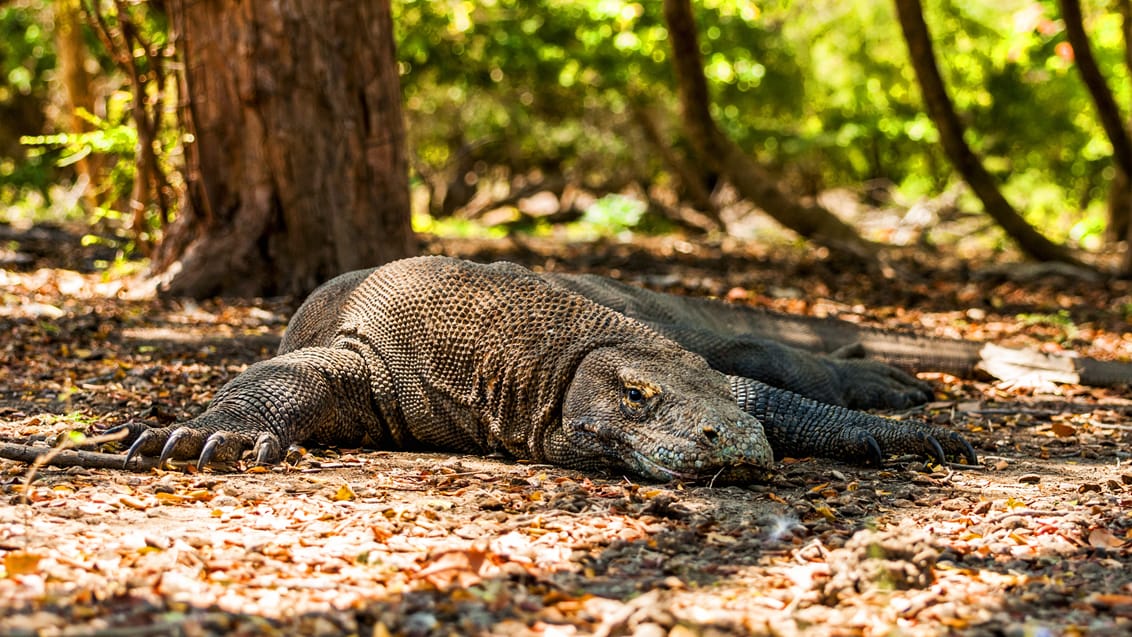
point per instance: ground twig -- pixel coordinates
(56, 457)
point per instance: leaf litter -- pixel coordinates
(358, 541)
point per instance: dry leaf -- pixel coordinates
(21, 563)
(1063, 430)
(1103, 538)
(825, 512)
(465, 567)
(132, 503)
(344, 492)
(720, 538)
(1115, 603)
(169, 498)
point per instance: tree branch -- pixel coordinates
(751, 179)
(1107, 110)
(943, 115)
(72, 458)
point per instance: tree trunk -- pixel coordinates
(750, 178)
(1120, 190)
(943, 114)
(1107, 110)
(297, 166)
(72, 54)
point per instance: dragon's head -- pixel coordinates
(658, 411)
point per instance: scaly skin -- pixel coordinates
(441, 353)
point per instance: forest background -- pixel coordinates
(551, 117)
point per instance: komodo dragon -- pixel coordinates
(442, 353)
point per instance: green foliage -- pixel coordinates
(115, 137)
(27, 57)
(26, 50)
(613, 214)
(44, 184)
(821, 90)
(1061, 321)
(455, 227)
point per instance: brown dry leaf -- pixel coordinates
(1063, 429)
(719, 538)
(200, 495)
(1114, 602)
(1103, 538)
(825, 512)
(463, 566)
(819, 488)
(21, 563)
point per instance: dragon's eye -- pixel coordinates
(640, 401)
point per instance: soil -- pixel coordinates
(1033, 541)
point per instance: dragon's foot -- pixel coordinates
(208, 446)
(870, 384)
(897, 437)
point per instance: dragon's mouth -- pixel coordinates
(738, 472)
(660, 471)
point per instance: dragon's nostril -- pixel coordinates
(710, 433)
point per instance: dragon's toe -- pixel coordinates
(267, 450)
(182, 444)
(148, 443)
(958, 446)
(222, 447)
(934, 449)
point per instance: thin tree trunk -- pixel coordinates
(750, 178)
(298, 168)
(1107, 110)
(943, 114)
(1120, 190)
(690, 179)
(72, 54)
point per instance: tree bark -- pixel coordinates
(1107, 110)
(297, 168)
(942, 113)
(750, 178)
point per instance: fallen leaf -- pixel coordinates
(132, 503)
(1103, 538)
(1115, 603)
(344, 492)
(21, 563)
(466, 567)
(1063, 430)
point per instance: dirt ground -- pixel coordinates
(1033, 541)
